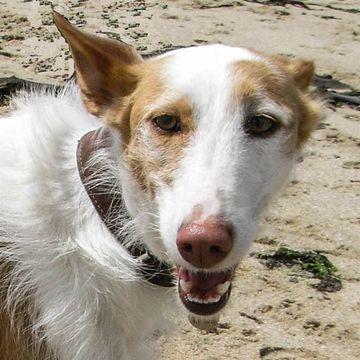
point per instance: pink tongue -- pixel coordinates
(203, 281)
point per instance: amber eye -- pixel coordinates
(261, 125)
(167, 123)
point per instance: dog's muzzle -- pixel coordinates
(204, 243)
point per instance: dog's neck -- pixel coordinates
(108, 206)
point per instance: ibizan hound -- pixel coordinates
(138, 192)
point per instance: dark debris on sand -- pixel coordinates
(313, 262)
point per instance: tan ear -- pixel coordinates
(104, 68)
(302, 71)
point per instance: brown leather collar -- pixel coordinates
(154, 271)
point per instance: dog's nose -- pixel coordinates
(204, 244)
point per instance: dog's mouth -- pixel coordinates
(204, 293)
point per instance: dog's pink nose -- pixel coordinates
(204, 244)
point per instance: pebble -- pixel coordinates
(136, 34)
(311, 324)
(351, 165)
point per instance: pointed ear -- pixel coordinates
(302, 71)
(104, 68)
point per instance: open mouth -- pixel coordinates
(204, 293)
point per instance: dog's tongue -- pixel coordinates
(203, 281)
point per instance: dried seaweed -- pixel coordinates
(336, 91)
(313, 262)
(283, 3)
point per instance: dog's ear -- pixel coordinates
(302, 71)
(105, 68)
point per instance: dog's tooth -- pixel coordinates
(195, 299)
(223, 288)
(214, 300)
(186, 286)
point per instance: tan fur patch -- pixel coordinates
(152, 155)
(148, 90)
(254, 78)
(104, 67)
(302, 72)
(16, 340)
(276, 82)
(311, 114)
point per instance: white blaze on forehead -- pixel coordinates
(203, 73)
(204, 76)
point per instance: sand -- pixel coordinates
(273, 314)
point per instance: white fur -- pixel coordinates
(80, 280)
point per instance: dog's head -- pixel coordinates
(209, 134)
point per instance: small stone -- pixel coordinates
(351, 165)
(266, 240)
(141, 48)
(248, 332)
(311, 324)
(131, 25)
(224, 325)
(265, 308)
(135, 34)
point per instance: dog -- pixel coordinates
(133, 195)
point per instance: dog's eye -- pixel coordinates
(261, 125)
(167, 123)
